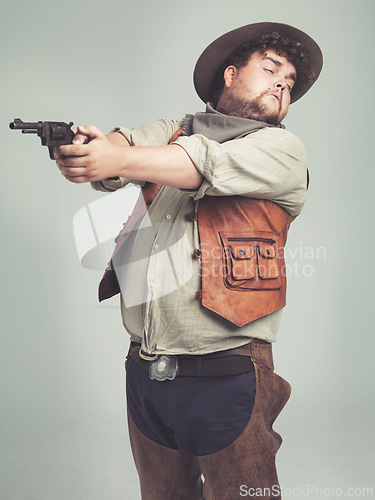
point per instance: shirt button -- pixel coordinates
(168, 216)
(156, 246)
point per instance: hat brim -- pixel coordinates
(219, 50)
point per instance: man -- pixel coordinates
(200, 264)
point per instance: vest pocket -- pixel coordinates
(251, 260)
(243, 261)
(267, 264)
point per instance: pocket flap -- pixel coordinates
(241, 250)
(267, 250)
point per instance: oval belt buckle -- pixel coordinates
(164, 368)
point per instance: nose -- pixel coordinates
(281, 85)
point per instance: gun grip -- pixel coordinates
(51, 154)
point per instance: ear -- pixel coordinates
(229, 75)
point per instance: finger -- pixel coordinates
(80, 139)
(57, 153)
(72, 162)
(73, 172)
(90, 131)
(76, 180)
(71, 150)
(58, 162)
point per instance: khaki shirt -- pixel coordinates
(161, 276)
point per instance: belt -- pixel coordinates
(168, 367)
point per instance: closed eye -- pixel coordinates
(290, 87)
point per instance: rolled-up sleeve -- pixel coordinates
(267, 164)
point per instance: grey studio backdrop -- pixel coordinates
(63, 416)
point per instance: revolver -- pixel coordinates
(52, 134)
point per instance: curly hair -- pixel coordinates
(283, 46)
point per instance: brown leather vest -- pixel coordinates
(242, 249)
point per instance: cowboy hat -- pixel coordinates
(219, 50)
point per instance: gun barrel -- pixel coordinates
(18, 124)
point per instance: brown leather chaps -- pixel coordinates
(245, 468)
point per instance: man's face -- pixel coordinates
(260, 90)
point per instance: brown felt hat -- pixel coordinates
(219, 50)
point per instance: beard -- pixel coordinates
(254, 109)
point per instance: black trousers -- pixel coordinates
(244, 466)
(198, 415)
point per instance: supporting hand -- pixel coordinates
(92, 156)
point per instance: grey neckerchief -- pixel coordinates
(219, 127)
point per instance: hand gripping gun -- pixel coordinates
(52, 134)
